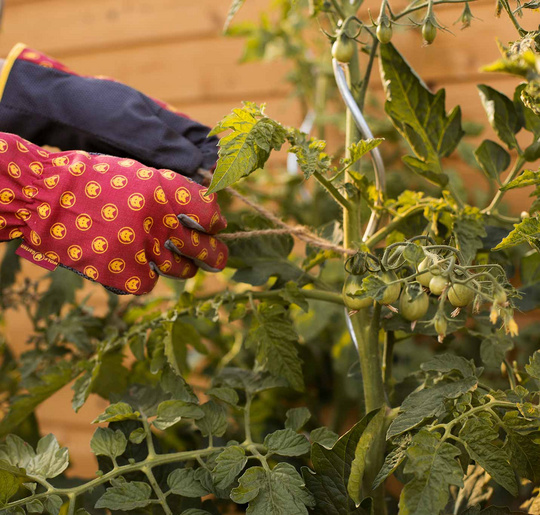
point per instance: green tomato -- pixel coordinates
(384, 33)
(391, 294)
(438, 284)
(425, 278)
(429, 32)
(413, 303)
(460, 295)
(352, 284)
(441, 325)
(343, 48)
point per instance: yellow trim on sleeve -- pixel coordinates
(8, 64)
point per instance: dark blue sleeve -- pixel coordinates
(51, 107)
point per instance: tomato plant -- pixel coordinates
(374, 368)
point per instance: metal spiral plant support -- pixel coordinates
(365, 131)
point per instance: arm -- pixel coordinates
(45, 102)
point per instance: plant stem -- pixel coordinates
(338, 9)
(385, 231)
(334, 193)
(367, 74)
(512, 17)
(368, 354)
(157, 489)
(149, 439)
(520, 161)
(247, 420)
(388, 357)
(419, 7)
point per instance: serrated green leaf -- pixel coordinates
(184, 482)
(418, 114)
(195, 511)
(492, 158)
(8, 487)
(107, 442)
(247, 147)
(171, 412)
(251, 382)
(524, 452)
(446, 363)
(435, 468)
(214, 421)
(286, 442)
(276, 492)
(358, 150)
(428, 403)
(126, 496)
(116, 413)
(274, 337)
(50, 459)
(310, 154)
(53, 504)
(502, 114)
(332, 471)
(393, 460)
(16, 452)
(469, 231)
(293, 295)
(527, 231)
(224, 394)
(137, 436)
(482, 444)
(34, 506)
(181, 334)
(324, 436)
(427, 170)
(369, 438)
(493, 350)
(229, 464)
(52, 380)
(527, 178)
(533, 368)
(297, 418)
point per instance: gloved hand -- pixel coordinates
(46, 103)
(110, 219)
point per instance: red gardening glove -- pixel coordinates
(112, 220)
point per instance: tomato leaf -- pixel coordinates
(247, 147)
(125, 496)
(428, 403)
(419, 115)
(527, 231)
(502, 115)
(492, 158)
(482, 444)
(435, 468)
(229, 464)
(106, 442)
(274, 337)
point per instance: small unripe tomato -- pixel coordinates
(426, 277)
(384, 33)
(429, 32)
(352, 284)
(343, 48)
(438, 284)
(413, 303)
(441, 325)
(391, 294)
(460, 295)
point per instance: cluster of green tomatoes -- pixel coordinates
(408, 275)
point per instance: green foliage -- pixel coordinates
(217, 388)
(419, 116)
(253, 136)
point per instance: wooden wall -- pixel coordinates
(173, 50)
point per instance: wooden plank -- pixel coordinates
(192, 71)
(68, 26)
